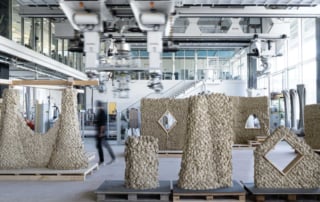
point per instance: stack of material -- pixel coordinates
(242, 108)
(20, 147)
(312, 126)
(141, 155)
(153, 109)
(206, 159)
(69, 151)
(302, 173)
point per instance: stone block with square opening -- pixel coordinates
(285, 161)
(153, 110)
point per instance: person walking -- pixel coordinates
(100, 135)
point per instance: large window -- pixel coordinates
(298, 63)
(16, 23)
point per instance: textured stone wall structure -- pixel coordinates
(312, 125)
(141, 156)
(242, 107)
(151, 112)
(304, 174)
(59, 148)
(69, 151)
(206, 159)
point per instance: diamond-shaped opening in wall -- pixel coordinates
(167, 121)
(283, 156)
(252, 122)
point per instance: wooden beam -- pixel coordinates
(86, 83)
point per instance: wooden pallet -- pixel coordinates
(46, 174)
(261, 138)
(170, 154)
(234, 193)
(254, 143)
(241, 146)
(115, 191)
(260, 194)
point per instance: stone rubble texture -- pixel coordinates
(312, 126)
(59, 148)
(305, 174)
(242, 107)
(207, 153)
(141, 156)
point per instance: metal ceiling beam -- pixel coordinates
(252, 11)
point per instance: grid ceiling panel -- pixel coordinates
(252, 2)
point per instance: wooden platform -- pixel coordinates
(170, 154)
(234, 193)
(115, 191)
(260, 194)
(241, 146)
(261, 138)
(254, 143)
(46, 174)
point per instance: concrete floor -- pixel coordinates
(39, 191)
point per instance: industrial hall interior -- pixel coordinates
(158, 101)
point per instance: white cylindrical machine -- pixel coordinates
(86, 18)
(153, 18)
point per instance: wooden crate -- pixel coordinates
(115, 191)
(261, 194)
(46, 174)
(234, 193)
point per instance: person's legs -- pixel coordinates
(100, 151)
(107, 145)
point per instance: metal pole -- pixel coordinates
(318, 57)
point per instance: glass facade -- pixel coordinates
(298, 63)
(38, 34)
